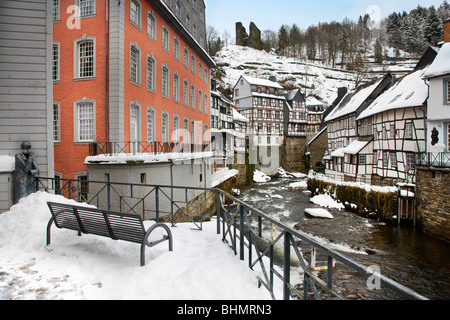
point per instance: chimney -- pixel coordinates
(447, 30)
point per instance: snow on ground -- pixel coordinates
(93, 268)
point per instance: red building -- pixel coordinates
(127, 74)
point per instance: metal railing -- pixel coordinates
(143, 147)
(438, 160)
(244, 228)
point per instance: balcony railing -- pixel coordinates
(142, 147)
(438, 160)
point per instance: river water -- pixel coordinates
(403, 254)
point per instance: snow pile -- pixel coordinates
(298, 185)
(94, 268)
(326, 201)
(286, 174)
(260, 177)
(318, 213)
(7, 163)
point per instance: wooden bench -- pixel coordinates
(117, 226)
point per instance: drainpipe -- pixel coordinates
(426, 116)
(107, 78)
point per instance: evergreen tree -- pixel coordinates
(378, 51)
(283, 40)
(433, 29)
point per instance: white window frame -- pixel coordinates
(186, 58)
(200, 101)
(193, 66)
(165, 127)
(151, 124)
(56, 64)
(56, 10)
(176, 87)
(151, 74)
(206, 101)
(135, 105)
(138, 17)
(186, 93)
(151, 22)
(176, 48)
(78, 3)
(176, 128)
(77, 104)
(193, 97)
(165, 81)
(137, 77)
(56, 121)
(77, 63)
(166, 38)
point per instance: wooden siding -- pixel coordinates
(25, 79)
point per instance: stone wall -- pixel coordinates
(433, 201)
(293, 154)
(317, 149)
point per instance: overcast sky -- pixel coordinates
(271, 14)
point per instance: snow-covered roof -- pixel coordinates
(262, 82)
(441, 64)
(355, 147)
(146, 158)
(409, 91)
(352, 101)
(239, 117)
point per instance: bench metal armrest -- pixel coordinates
(152, 244)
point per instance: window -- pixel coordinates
(56, 123)
(186, 58)
(56, 10)
(200, 101)
(408, 131)
(176, 127)
(176, 49)
(193, 97)
(176, 87)
(206, 76)
(410, 163)
(134, 122)
(165, 82)
(85, 64)
(55, 62)
(165, 33)
(135, 13)
(82, 186)
(206, 104)
(192, 132)
(385, 158)
(393, 157)
(186, 93)
(200, 71)
(135, 59)
(151, 26)
(165, 127)
(447, 91)
(85, 122)
(87, 7)
(150, 125)
(193, 64)
(151, 74)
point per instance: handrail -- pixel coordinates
(233, 222)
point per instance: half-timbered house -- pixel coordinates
(295, 115)
(395, 126)
(342, 127)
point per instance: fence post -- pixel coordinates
(241, 231)
(287, 267)
(157, 203)
(218, 213)
(108, 195)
